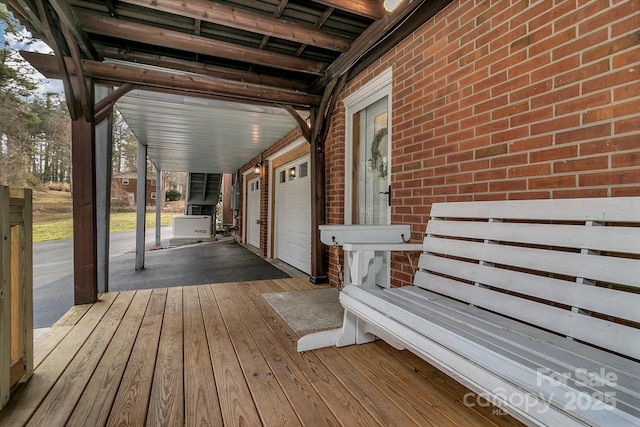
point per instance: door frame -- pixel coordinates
(368, 94)
(248, 175)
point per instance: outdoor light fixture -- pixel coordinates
(391, 5)
(258, 167)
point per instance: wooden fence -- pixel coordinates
(16, 293)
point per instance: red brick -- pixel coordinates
(477, 165)
(461, 178)
(630, 57)
(493, 127)
(610, 178)
(542, 169)
(510, 85)
(616, 110)
(611, 47)
(530, 195)
(551, 14)
(534, 116)
(583, 133)
(580, 193)
(555, 96)
(580, 15)
(614, 79)
(489, 196)
(531, 144)
(500, 60)
(491, 151)
(526, 67)
(552, 182)
(592, 163)
(508, 185)
(510, 110)
(460, 157)
(548, 44)
(555, 125)
(625, 160)
(604, 19)
(627, 91)
(580, 44)
(583, 73)
(481, 187)
(625, 26)
(556, 68)
(490, 175)
(610, 145)
(563, 152)
(514, 159)
(583, 103)
(531, 91)
(628, 125)
(626, 192)
(510, 134)
(493, 80)
(491, 104)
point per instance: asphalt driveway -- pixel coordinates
(212, 262)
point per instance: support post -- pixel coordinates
(104, 154)
(159, 201)
(318, 259)
(141, 205)
(84, 210)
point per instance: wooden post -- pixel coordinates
(318, 258)
(141, 204)
(85, 235)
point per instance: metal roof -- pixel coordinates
(201, 135)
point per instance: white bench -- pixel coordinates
(533, 305)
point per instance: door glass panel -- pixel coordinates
(371, 149)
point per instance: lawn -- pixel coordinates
(52, 217)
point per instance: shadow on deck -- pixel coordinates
(220, 355)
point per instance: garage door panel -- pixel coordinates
(293, 216)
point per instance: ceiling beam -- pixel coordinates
(70, 22)
(365, 42)
(126, 30)
(367, 8)
(203, 69)
(162, 79)
(221, 14)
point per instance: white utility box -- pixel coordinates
(190, 226)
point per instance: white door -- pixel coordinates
(253, 212)
(293, 214)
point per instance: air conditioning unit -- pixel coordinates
(190, 226)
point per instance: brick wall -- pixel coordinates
(507, 100)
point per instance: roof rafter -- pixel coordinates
(126, 30)
(218, 13)
(368, 8)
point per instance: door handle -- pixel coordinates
(388, 193)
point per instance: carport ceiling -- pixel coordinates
(201, 135)
(270, 53)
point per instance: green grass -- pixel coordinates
(52, 217)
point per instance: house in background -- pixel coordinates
(124, 189)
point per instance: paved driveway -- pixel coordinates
(215, 262)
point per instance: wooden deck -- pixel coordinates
(220, 355)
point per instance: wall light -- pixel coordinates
(391, 5)
(258, 167)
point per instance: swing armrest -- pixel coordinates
(410, 247)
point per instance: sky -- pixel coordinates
(46, 85)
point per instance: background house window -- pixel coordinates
(125, 181)
(153, 195)
(303, 169)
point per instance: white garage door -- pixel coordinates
(253, 212)
(293, 214)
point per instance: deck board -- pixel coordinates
(220, 355)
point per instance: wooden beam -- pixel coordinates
(30, 9)
(56, 45)
(368, 8)
(369, 38)
(126, 30)
(419, 16)
(197, 84)
(302, 123)
(229, 16)
(105, 105)
(200, 68)
(70, 21)
(85, 257)
(84, 91)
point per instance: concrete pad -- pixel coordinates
(308, 310)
